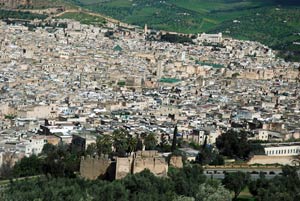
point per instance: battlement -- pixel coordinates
(149, 153)
(140, 161)
(94, 167)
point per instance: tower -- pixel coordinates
(183, 56)
(145, 29)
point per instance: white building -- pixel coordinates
(286, 150)
(32, 146)
(211, 38)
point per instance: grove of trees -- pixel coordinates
(182, 184)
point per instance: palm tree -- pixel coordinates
(104, 144)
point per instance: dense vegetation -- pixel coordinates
(286, 187)
(183, 183)
(84, 18)
(5, 14)
(172, 38)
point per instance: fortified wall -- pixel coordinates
(176, 161)
(92, 168)
(139, 161)
(123, 167)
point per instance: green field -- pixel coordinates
(84, 18)
(187, 16)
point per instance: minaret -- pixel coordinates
(145, 29)
(183, 56)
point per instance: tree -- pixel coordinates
(61, 162)
(296, 160)
(207, 155)
(132, 144)
(187, 179)
(6, 170)
(234, 144)
(120, 142)
(164, 145)
(28, 166)
(48, 148)
(212, 191)
(236, 182)
(150, 141)
(146, 186)
(285, 187)
(104, 144)
(113, 191)
(256, 185)
(174, 142)
(91, 149)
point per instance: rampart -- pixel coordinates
(92, 168)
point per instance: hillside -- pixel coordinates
(38, 4)
(272, 22)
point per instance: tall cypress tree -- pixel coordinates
(174, 142)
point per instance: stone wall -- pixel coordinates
(265, 160)
(176, 161)
(92, 168)
(140, 161)
(123, 167)
(149, 153)
(156, 165)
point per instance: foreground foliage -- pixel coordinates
(185, 184)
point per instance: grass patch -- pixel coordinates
(84, 18)
(245, 195)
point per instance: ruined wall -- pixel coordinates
(176, 161)
(92, 168)
(123, 167)
(139, 161)
(149, 153)
(156, 165)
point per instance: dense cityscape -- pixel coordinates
(101, 112)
